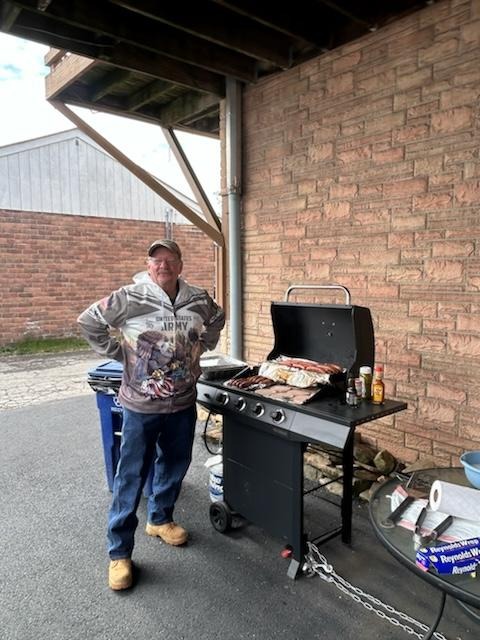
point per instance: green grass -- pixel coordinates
(44, 345)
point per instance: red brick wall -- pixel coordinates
(53, 266)
(361, 167)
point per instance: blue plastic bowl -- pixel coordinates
(471, 465)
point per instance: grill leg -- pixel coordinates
(298, 541)
(347, 496)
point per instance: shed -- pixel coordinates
(70, 173)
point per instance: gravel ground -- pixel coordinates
(28, 380)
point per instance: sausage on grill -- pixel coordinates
(251, 382)
(309, 365)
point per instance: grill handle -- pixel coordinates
(319, 286)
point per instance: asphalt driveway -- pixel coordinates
(53, 504)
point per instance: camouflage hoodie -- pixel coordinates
(160, 343)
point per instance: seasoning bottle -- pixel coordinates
(378, 388)
(358, 387)
(351, 396)
(366, 377)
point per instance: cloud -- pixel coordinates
(21, 59)
(8, 71)
(28, 114)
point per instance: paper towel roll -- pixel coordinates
(455, 500)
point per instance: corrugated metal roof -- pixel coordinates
(69, 173)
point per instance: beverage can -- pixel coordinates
(366, 377)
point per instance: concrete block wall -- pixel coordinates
(362, 167)
(53, 266)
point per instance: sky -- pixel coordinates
(26, 114)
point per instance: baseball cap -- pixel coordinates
(165, 244)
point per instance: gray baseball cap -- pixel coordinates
(165, 244)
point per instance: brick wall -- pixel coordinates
(53, 266)
(362, 168)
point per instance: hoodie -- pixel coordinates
(159, 342)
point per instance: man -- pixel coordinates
(165, 325)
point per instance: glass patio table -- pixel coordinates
(399, 542)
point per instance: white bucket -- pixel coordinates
(215, 480)
(215, 483)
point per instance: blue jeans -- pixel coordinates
(168, 437)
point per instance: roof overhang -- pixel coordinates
(167, 62)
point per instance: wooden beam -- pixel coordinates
(192, 179)
(217, 24)
(147, 94)
(204, 116)
(220, 277)
(114, 78)
(286, 17)
(141, 174)
(42, 28)
(189, 106)
(136, 30)
(8, 16)
(201, 127)
(129, 57)
(39, 27)
(114, 107)
(79, 96)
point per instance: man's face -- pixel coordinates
(164, 267)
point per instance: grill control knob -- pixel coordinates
(278, 416)
(259, 409)
(222, 398)
(240, 404)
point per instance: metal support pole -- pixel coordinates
(233, 157)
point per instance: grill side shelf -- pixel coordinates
(337, 411)
(332, 409)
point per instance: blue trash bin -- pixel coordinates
(105, 381)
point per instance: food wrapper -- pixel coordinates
(291, 376)
(454, 558)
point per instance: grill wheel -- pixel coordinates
(220, 516)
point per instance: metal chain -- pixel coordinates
(316, 563)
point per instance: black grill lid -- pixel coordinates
(340, 334)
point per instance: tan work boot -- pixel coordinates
(120, 574)
(170, 532)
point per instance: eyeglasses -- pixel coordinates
(168, 261)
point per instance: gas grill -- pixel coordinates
(264, 438)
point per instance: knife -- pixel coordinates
(391, 520)
(436, 533)
(417, 537)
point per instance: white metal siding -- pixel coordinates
(64, 173)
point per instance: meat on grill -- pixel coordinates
(298, 372)
(309, 365)
(251, 382)
(287, 393)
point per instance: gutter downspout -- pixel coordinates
(234, 182)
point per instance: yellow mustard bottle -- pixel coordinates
(378, 387)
